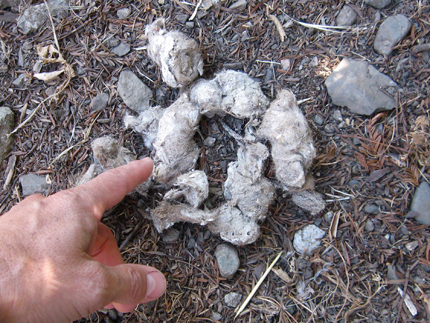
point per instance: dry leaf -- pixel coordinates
(282, 274)
(333, 226)
(50, 55)
(279, 27)
(48, 77)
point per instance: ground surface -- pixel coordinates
(368, 161)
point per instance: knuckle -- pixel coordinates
(136, 289)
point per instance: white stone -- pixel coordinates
(307, 239)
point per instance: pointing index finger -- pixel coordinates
(110, 187)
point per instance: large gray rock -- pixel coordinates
(356, 84)
(228, 260)
(32, 184)
(36, 16)
(420, 207)
(346, 17)
(135, 94)
(307, 239)
(6, 127)
(391, 31)
(379, 4)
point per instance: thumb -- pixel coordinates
(135, 284)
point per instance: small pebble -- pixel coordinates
(354, 184)
(112, 42)
(246, 36)
(419, 280)
(20, 81)
(32, 184)
(371, 209)
(50, 90)
(121, 50)
(285, 63)
(209, 141)
(182, 18)
(307, 239)
(216, 316)
(171, 235)
(228, 260)
(420, 206)
(189, 24)
(328, 216)
(412, 245)
(191, 243)
(123, 13)
(313, 62)
(94, 317)
(319, 120)
(379, 4)
(239, 5)
(369, 226)
(113, 315)
(330, 129)
(99, 102)
(346, 17)
(232, 299)
(337, 115)
(291, 309)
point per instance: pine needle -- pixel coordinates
(332, 29)
(254, 290)
(53, 26)
(195, 10)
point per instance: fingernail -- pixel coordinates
(155, 284)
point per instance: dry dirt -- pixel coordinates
(377, 160)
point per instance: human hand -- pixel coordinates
(59, 263)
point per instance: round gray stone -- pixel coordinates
(121, 50)
(228, 260)
(337, 115)
(319, 120)
(170, 235)
(232, 299)
(133, 91)
(216, 316)
(371, 209)
(391, 31)
(209, 141)
(369, 226)
(420, 206)
(379, 4)
(346, 17)
(123, 13)
(307, 239)
(100, 102)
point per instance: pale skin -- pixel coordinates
(59, 263)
